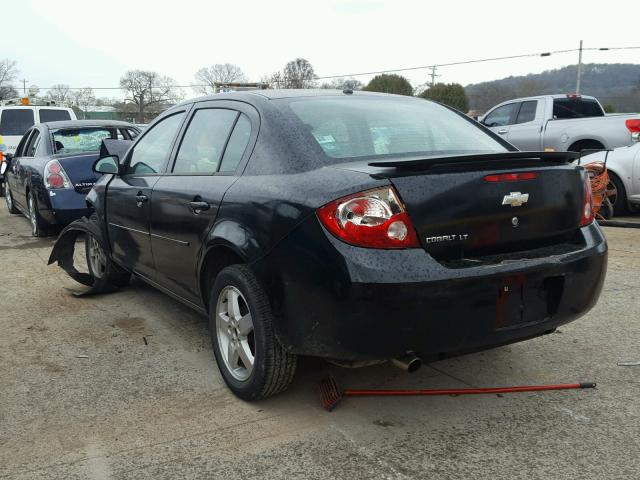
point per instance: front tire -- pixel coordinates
(8, 198)
(252, 362)
(105, 273)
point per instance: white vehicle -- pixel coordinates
(17, 119)
(623, 165)
(559, 123)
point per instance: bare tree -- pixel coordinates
(299, 73)
(8, 74)
(343, 84)
(82, 98)
(149, 90)
(59, 93)
(207, 78)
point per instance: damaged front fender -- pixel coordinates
(113, 277)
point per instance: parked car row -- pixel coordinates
(351, 226)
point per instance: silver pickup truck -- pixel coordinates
(560, 123)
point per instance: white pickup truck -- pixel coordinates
(560, 123)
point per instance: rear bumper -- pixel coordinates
(338, 301)
(63, 207)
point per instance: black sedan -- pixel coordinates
(50, 174)
(346, 225)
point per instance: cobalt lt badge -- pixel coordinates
(515, 199)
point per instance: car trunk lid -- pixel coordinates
(470, 206)
(79, 169)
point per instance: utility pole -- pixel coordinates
(24, 87)
(433, 75)
(579, 68)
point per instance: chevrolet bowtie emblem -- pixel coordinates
(515, 199)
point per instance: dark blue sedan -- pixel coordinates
(51, 172)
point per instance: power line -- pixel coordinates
(407, 69)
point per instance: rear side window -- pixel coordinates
(48, 115)
(151, 152)
(33, 144)
(527, 112)
(204, 141)
(237, 145)
(16, 121)
(564, 108)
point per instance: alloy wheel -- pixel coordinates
(234, 328)
(96, 257)
(32, 214)
(612, 193)
(8, 199)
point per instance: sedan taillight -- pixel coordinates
(586, 217)
(373, 218)
(55, 176)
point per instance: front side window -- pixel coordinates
(501, 116)
(365, 127)
(151, 152)
(204, 141)
(50, 115)
(16, 121)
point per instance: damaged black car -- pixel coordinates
(351, 226)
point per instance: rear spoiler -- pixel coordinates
(425, 163)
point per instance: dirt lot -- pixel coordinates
(84, 396)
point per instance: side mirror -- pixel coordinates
(109, 165)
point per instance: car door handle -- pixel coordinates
(502, 131)
(197, 207)
(140, 199)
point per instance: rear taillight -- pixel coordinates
(510, 177)
(633, 125)
(55, 176)
(586, 217)
(373, 218)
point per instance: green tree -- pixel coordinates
(390, 84)
(451, 94)
(608, 108)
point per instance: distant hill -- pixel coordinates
(617, 85)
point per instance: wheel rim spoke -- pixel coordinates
(245, 325)
(244, 351)
(234, 328)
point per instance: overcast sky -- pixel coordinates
(83, 43)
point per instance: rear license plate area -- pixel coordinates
(523, 300)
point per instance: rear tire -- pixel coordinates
(8, 198)
(252, 362)
(39, 228)
(619, 202)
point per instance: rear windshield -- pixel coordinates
(370, 127)
(576, 108)
(81, 140)
(48, 115)
(16, 121)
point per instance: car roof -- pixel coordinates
(270, 94)
(86, 123)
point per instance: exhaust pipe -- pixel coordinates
(409, 362)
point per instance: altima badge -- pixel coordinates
(515, 199)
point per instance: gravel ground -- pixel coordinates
(125, 386)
